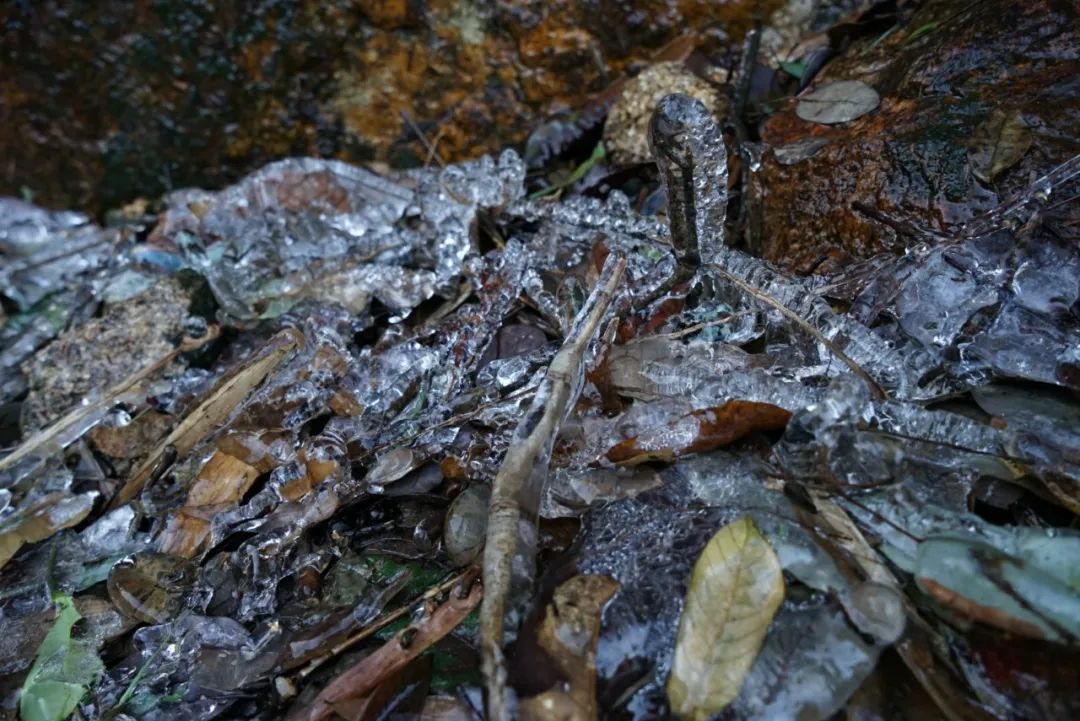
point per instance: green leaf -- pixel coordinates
(922, 30)
(598, 154)
(735, 589)
(793, 68)
(63, 670)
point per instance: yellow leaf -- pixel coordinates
(998, 143)
(735, 589)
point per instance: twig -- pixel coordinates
(798, 320)
(423, 139)
(509, 554)
(80, 414)
(739, 102)
(394, 655)
(382, 622)
(689, 330)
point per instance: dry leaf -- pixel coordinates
(222, 482)
(998, 144)
(44, 518)
(402, 688)
(735, 589)
(700, 431)
(226, 396)
(569, 635)
(838, 102)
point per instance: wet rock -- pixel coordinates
(107, 104)
(913, 156)
(128, 337)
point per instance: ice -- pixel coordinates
(46, 250)
(325, 230)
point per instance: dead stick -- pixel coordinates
(510, 552)
(875, 387)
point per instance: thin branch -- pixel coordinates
(795, 318)
(509, 554)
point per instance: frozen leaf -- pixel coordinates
(150, 587)
(811, 663)
(221, 483)
(982, 584)
(877, 610)
(42, 520)
(392, 466)
(998, 143)
(63, 669)
(214, 409)
(569, 634)
(838, 102)
(466, 525)
(391, 657)
(735, 589)
(700, 431)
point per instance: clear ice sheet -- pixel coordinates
(326, 230)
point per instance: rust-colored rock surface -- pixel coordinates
(103, 102)
(940, 77)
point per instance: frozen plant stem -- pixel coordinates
(510, 551)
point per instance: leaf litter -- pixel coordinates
(673, 478)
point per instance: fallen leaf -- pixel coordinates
(735, 589)
(360, 679)
(404, 687)
(838, 102)
(998, 143)
(569, 634)
(219, 403)
(133, 440)
(42, 519)
(63, 670)
(983, 584)
(699, 431)
(221, 483)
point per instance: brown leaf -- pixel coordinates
(42, 520)
(700, 431)
(133, 440)
(998, 144)
(221, 483)
(391, 657)
(216, 407)
(396, 690)
(569, 635)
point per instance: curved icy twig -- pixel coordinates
(510, 550)
(688, 147)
